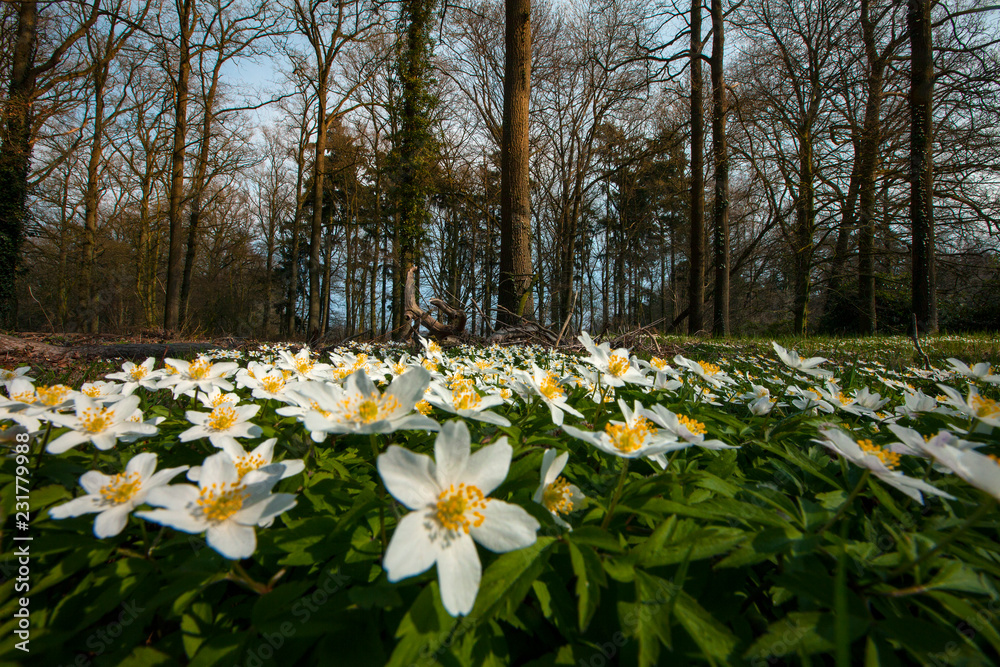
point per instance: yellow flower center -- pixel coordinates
(52, 396)
(430, 365)
(709, 369)
(7, 374)
(304, 365)
(550, 387)
(557, 497)
(466, 399)
(370, 409)
(272, 384)
(221, 399)
(121, 489)
(398, 368)
(96, 420)
(245, 464)
(315, 406)
(994, 458)
(696, 427)
(659, 364)
(505, 394)
(889, 459)
(627, 438)
(199, 369)
(845, 400)
(250, 373)
(218, 502)
(137, 373)
(986, 408)
(92, 391)
(423, 407)
(433, 347)
(617, 365)
(941, 398)
(24, 397)
(453, 504)
(222, 418)
(482, 365)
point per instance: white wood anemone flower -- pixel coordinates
(981, 371)
(138, 375)
(7, 375)
(554, 493)
(114, 498)
(360, 408)
(225, 421)
(881, 461)
(979, 470)
(451, 511)
(198, 375)
(709, 372)
(302, 365)
(975, 406)
(634, 438)
(259, 459)
(808, 366)
(224, 506)
(546, 385)
(100, 425)
(615, 365)
(466, 402)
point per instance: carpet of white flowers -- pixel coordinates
(494, 506)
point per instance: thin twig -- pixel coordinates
(572, 305)
(480, 310)
(51, 327)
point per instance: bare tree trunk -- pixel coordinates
(871, 138)
(316, 231)
(696, 275)
(172, 301)
(293, 279)
(515, 196)
(924, 280)
(88, 302)
(720, 207)
(803, 234)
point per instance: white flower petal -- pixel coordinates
(459, 574)
(506, 527)
(232, 540)
(409, 477)
(451, 453)
(76, 507)
(488, 467)
(112, 521)
(411, 550)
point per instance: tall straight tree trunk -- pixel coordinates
(720, 153)
(871, 137)
(15, 151)
(514, 294)
(172, 301)
(88, 302)
(316, 231)
(924, 280)
(15, 156)
(199, 185)
(293, 278)
(696, 274)
(834, 290)
(803, 234)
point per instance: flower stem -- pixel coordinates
(618, 494)
(381, 495)
(983, 509)
(847, 503)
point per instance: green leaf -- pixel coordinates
(713, 638)
(225, 648)
(589, 580)
(507, 580)
(423, 630)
